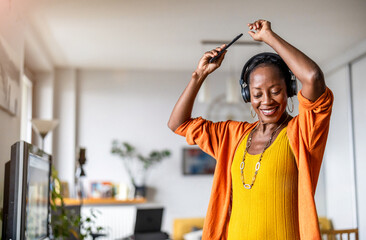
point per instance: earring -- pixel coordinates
(292, 106)
(251, 112)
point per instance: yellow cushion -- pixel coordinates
(182, 226)
(325, 223)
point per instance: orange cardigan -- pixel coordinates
(307, 133)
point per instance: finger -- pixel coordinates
(221, 58)
(219, 49)
(208, 55)
(257, 24)
(251, 34)
(214, 52)
(254, 25)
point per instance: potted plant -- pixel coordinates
(137, 165)
(66, 223)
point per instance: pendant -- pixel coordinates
(242, 164)
(247, 186)
(257, 166)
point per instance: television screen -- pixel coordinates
(26, 193)
(37, 198)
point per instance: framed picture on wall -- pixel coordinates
(197, 162)
(9, 83)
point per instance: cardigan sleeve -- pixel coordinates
(207, 134)
(314, 118)
(308, 133)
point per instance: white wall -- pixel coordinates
(12, 39)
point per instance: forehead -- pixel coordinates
(266, 75)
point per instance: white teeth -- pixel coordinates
(268, 111)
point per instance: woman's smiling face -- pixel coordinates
(268, 93)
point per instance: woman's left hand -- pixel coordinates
(259, 30)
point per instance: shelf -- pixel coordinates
(103, 201)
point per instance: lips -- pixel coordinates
(269, 111)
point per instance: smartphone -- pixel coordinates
(226, 47)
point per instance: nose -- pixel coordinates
(267, 99)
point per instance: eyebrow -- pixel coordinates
(274, 85)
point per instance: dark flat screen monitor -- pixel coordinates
(26, 207)
(148, 220)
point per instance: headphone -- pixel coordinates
(271, 58)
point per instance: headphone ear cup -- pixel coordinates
(291, 85)
(294, 87)
(245, 93)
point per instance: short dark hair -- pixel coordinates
(268, 60)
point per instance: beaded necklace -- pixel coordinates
(258, 165)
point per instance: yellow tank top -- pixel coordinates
(268, 210)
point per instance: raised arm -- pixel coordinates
(305, 69)
(183, 108)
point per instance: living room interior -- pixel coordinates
(113, 70)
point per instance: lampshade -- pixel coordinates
(44, 126)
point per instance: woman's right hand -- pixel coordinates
(205, 67)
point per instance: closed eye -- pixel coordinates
(276, 92)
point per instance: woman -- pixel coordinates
(267, 171)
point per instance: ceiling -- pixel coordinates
(167, 34)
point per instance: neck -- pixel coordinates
(270, 127)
